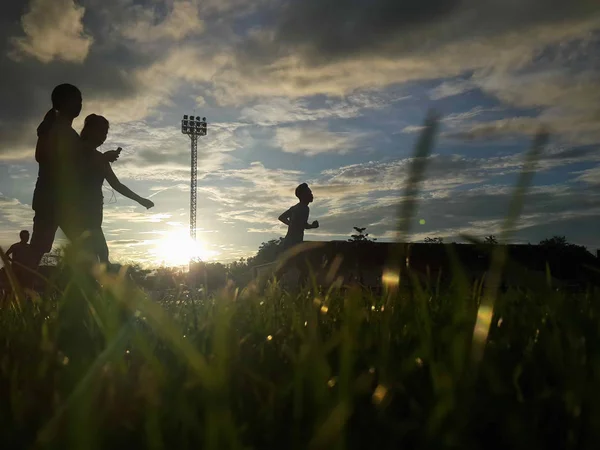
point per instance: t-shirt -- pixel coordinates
(91, 199)
(97, 167)
(298, 217)
(59, 157)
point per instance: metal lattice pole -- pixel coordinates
(194, 127)
(193, 185)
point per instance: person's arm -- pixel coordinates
(44, 133)
(124, 190)
(285, 217)
(41, 148)
(9, 252)
(304, 219)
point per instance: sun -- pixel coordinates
(177, 248)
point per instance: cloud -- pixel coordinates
(413, 129)
(281, 110)
(565, 103)
(180, 22)
(130, 215)
(450, 89)
(590, 176)
(313, 140)
(511, 126)
(163, 153)
(480, 211)
(53, 30)
(14, 217)
(15, 212)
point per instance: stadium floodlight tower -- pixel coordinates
(194, 127)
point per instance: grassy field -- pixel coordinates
(104, 367)
(96, 364)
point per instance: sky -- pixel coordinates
(328, 92)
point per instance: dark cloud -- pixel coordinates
(332, 29)
(27, 83)
(573, 153)
(341, 27)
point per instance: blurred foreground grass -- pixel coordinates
(108, 368)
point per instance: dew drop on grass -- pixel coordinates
(380, 394)
(419, 362)
(373, 308)
(500, 322)
(269, 338)
(65, 361)
(390, 278)
(482, 326)
(324, 309)
(331, 383)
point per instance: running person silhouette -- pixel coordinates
(296, 218)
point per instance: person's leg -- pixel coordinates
(102, 245)
(100, 248)
(20, 275)
(82, 241)
(42, 238)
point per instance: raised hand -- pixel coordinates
(146, 203)
(112, 155)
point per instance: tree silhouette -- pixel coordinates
(360, 236)
(555, 241)
(268, 252)
(434, 240)
(491, 240)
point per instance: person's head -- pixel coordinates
(67, 100)
(304, 193)
(95, 130)
(24, 236)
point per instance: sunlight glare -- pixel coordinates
(177, 248)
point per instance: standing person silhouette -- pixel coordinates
(93, 135)
(296, 218)
(57, 187)
(20, 256)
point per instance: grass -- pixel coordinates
(96, 364)
(272, 370)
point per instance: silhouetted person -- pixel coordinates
(98, 169)
(20, 256)
(59, 178)
(296, 218)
